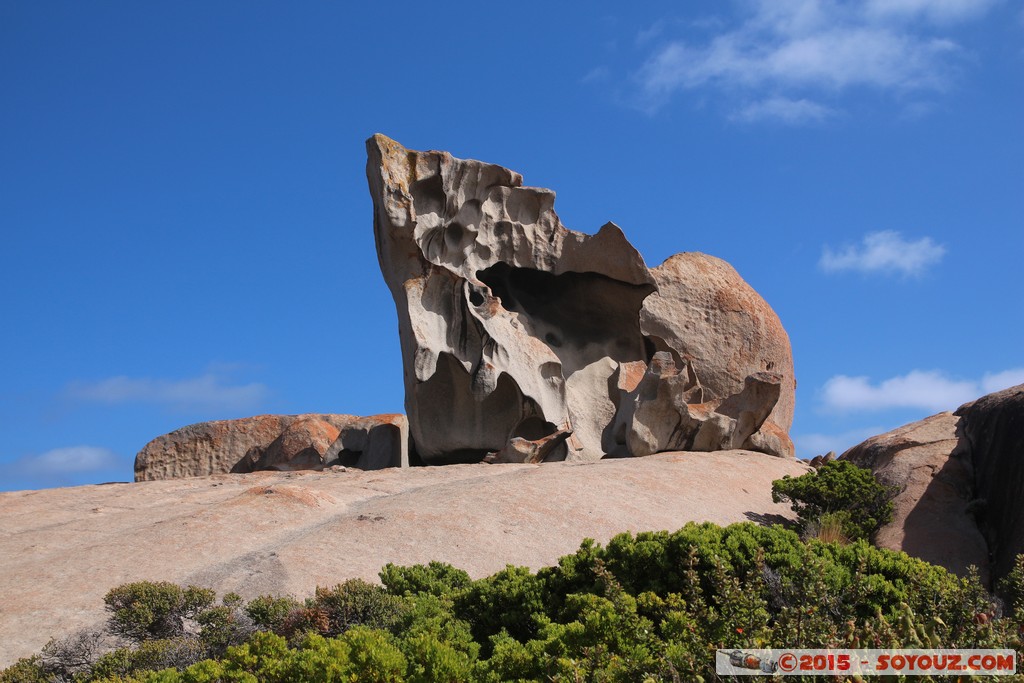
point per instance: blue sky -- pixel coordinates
(187, 233)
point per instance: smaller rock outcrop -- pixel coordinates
(276, 442)
(302, 446)
(959, 478)
(932, 516)
(991, 429)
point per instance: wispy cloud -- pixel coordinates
(884, 251)
(796, 49)
(997, 381)
(928, 390)
(595, 75)
(810, 445)
(70, 460)
(935, 11)
(208, 391)
(783, 110)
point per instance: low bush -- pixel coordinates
(153, 610)
(838, 496)
(646, 607)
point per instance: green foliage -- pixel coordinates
(436, 578)
(506, 601)
(1012, 588)
(838, 494)
(150, 655)
(647, 607)
(355, 603)
(154, 610)
(26, 670)
(270, 613)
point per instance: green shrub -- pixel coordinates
(151, 655)
(154, 610)
(507, 600)
(436, 578)
(26, 670)
(355, 603)
(375, 657)
(270, 613)
(652, 606)
(839, 493)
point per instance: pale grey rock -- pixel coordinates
(513, 326)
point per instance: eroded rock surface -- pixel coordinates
(992, 430)
(285, 533)
(276, 442)
(959, 478)
(933, 481)
(514, 327)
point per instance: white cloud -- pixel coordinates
(929, 390)
(70, 460)
(937, 11)
(796, 47)
(884, 251)
(810, 445)
(997, 381)
(783, 110)
(208, 391)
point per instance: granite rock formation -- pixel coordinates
(933, 483)
(276, 442)
(959, 477)
(991, 430)
(514, 329)
(285, 533)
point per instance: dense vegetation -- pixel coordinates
(650, 607)
(838, 501)
(653, 606)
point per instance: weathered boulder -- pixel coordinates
(959, 478)
(281, 442)
(302, 446)
(514, 327)
(666, 411)
(520, 450)
(707, 315)
(932, 514)
(991, 429)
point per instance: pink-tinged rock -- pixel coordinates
(932, 519)
(282, 442)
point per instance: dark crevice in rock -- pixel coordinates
(463, 428)
(583, 317)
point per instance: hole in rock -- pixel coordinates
(454, 425)
(348, 458)
(428, 195)
(533, 428)
(453, 236)
(582, 316)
